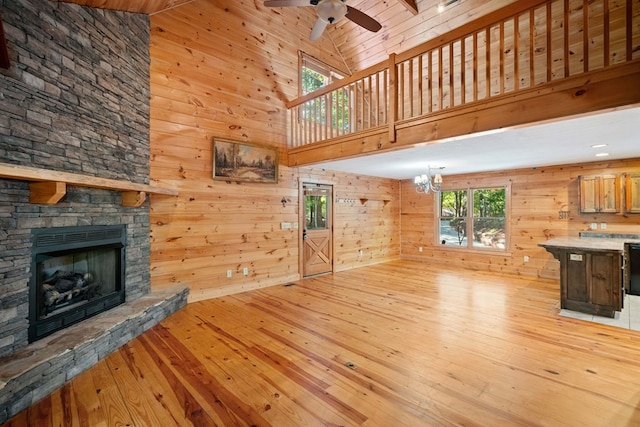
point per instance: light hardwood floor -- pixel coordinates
(397, 344)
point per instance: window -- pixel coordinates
(315, 74)
(332, 109)
(473, 218)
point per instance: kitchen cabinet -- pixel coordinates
(591, 274)
(632, 192)
(599, 194)
(591, 282)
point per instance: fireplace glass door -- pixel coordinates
(77, 272)
(67, 280)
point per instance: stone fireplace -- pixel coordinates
(74, 100)
(77, 272)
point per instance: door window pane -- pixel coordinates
(315, 211)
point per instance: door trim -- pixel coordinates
(302, 219)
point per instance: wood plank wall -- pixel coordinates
(217, 70)
(537, 196)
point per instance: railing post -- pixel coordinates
(393, 97)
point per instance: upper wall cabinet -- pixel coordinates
(632, 184)
(600, 194)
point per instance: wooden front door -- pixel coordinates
(317, 230)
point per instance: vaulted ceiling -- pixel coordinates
(275, 34)
(352, 47)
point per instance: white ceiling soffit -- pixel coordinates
(543, 144)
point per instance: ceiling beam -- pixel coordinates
(410, 5)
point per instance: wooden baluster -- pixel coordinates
(607, 33)
(516, 42)
(451, 77)
(475, 66)
(629, 20)
(585, 35)
(429, 82)
(549, 30)
(420, 94)
(410, 78)
(532, 49)
(440, 103)
(488, 61)
(463, 69)
(370, 106)
(502, 58)
(566, 38)
(378, 109)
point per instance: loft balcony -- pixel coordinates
(528, 62)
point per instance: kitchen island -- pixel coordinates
(591, 271)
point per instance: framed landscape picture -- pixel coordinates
(241, 161)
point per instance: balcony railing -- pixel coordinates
(519, 47)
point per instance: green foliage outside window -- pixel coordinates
(316, 110)
(476, 213)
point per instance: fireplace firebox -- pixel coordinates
(76, 273)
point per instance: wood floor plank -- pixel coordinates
(402, 343)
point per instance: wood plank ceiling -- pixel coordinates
(355, 47)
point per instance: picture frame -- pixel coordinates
(243, 161)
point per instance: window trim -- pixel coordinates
(308, 61)
(469, 246)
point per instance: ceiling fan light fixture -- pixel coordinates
(331, 11)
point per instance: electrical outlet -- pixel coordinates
(229, 273)
(361, 252)
(526, 258)
(245, 271)
(594, 226)
(603, 226)
(420, 249)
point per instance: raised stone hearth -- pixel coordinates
(45, 365)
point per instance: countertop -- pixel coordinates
(591, 243)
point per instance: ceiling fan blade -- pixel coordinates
(362, 19)
(318, 29)
(287, 3)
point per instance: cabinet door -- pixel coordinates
(589, 193)
(633, 193)
(599, 194)
(605, 280)
(609, 194)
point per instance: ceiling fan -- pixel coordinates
(329, 12)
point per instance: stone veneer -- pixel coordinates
(75, 99)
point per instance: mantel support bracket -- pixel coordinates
(47, 192)
(133, 199)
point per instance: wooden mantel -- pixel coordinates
(48, 187)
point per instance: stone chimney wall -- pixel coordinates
(75, 99)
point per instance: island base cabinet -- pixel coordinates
(591, 282)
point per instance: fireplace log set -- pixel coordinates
(67, 287)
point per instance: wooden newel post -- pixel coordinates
(4, 52)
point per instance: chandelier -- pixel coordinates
(426, 184)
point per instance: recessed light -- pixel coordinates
(602, 154)
(598, 145)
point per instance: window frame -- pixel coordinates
(330, 72)
(470, 217)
